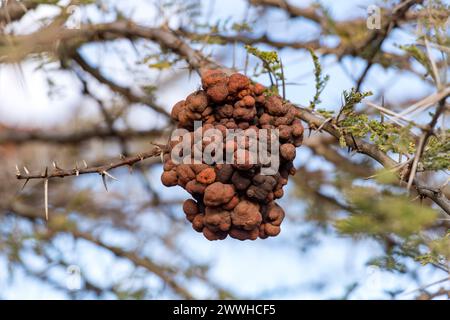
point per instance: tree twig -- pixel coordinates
(102, 170)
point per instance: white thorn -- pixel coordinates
(26, 170)
(85, 164)
(17, 170)
(110, 175)
(323, 124)
(104, 181)
(25, 184)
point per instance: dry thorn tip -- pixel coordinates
(26, 182)
(104, 181)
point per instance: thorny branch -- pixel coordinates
(102, 170)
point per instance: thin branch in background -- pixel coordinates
(425, 103)
(376, 41)
(71, 41)
(422, 288)
(197, 61)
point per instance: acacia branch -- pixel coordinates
(310, 13)
(322, 146)
(244, 39)
(371, 150)
(102, 170)
(375, 41)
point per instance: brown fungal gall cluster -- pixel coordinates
(233, 198)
